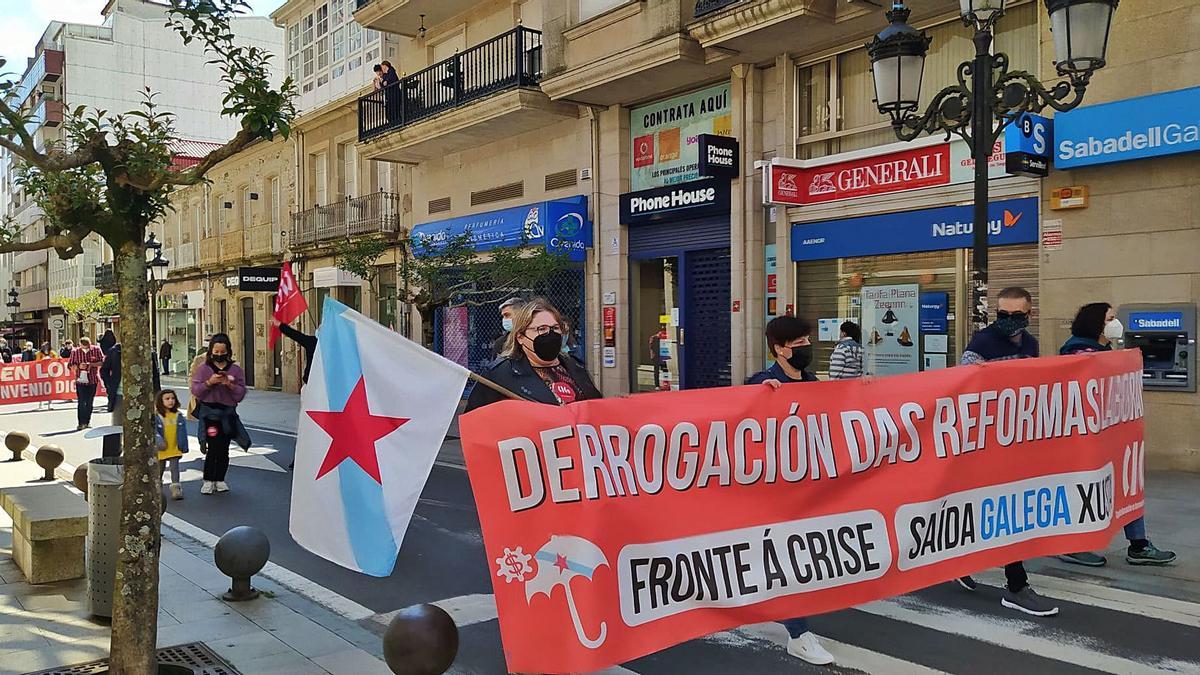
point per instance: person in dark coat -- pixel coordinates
(164, 355)
(1093, 330)
(107, 341)
(391, 91)
(307, 342)
(66, 350)
(533, 365)
(1004, 339)
(110, 375)
(789, 339)
(507, 309)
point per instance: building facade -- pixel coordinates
(107, 67)
(1122, 212)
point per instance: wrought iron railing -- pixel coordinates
(105, 278)
(376, 213)
(507, 61)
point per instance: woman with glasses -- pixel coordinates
(533, 364)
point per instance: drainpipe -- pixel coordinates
(597, 322)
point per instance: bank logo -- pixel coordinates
(822, 184)
(533, 225)
(787, 182)
(1011, 219)
(569, 226)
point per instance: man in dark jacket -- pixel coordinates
(164, 355)
(1007, 338)
(307, 342)
(110, 375)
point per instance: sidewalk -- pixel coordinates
(47, 625)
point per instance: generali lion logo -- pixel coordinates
(787, 183)
(822, 184)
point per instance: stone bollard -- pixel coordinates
(80, 480)
(16, 441)
(420, 640)
(240, 554)
(49, 457)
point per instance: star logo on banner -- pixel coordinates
(353, 432)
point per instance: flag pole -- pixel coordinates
(497, 388)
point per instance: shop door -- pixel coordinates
(248, 340)
(277, 365)
(707, 324)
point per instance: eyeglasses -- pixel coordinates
(542, 330)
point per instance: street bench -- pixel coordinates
(50, 523)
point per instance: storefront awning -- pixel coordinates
(1011, 221)
(560, 225)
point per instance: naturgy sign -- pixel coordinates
(1136, 128)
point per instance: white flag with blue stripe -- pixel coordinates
(373, 417)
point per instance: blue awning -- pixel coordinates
(561, 225)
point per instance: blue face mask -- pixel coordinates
(507, 324)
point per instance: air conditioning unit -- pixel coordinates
(585, 173)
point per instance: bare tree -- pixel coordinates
(111, 175)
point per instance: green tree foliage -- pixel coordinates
(89, 306)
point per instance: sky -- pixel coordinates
(23, 21)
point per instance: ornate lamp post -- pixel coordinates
(152, 244)
(988, 96)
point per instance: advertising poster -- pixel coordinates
(455, 338)
(664, 135)
(891, 329)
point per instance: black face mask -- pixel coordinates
(801, 357)
(221, 360)
(548, 346)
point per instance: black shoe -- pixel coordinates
(1086, 559)
(1026, 600)
(967, 583)
(1149, 555)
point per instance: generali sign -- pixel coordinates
(798, 182)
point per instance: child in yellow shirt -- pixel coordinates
(171, 428)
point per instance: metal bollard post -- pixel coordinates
(420, 640)
(240, 554)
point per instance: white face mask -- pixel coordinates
(1114, 330)
(507, 323)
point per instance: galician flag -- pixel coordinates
(372, 418)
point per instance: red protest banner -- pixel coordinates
(289, 302)
(33, 381)
(616, 528)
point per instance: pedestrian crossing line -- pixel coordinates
(1018, 635)
(1117, 599)
(851, 657)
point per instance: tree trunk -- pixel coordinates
(135, 605)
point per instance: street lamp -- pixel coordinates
(988, 96)
(155, 262)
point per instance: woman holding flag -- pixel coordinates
(533, 364)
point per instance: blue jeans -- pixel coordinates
(796, 627)
(1136, 529)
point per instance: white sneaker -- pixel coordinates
(207, 488)
(222, 486)
(808, 648)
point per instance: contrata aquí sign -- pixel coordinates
(615, 528)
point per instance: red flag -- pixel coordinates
(289, 302)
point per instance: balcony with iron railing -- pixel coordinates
(106, 279)
(485, 93)
(377, 213)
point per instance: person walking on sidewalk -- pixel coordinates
(171, 429)
(846, 361)
(1093, 330)
(1006, 338)
(164, 355)
(219, 385)
(85, 366)
(789, 339)
(110, 375)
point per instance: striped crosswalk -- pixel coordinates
(1102, 629)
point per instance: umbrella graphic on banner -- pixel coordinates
(562, 559)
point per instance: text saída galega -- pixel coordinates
(617, 461)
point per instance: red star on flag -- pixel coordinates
(561, 562)
(353, 432)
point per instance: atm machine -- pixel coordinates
(1166, 334)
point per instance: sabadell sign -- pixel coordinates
(1135, 128)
